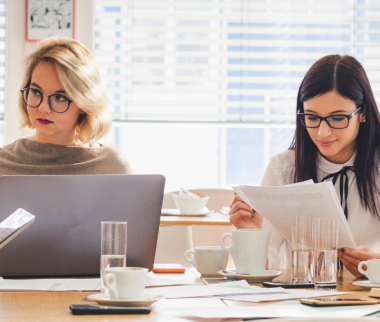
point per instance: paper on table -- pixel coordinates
(293, 310)
(88, 284)
(217, 290)
(154, 280)
(56, 284)
(279, 204)
(279, 293)
(239, 290)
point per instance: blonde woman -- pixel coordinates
(62, 98)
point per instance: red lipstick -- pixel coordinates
(44, 121)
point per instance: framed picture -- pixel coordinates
(46, 18)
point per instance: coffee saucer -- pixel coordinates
(366, 284)
(266, 277)
(103, 298)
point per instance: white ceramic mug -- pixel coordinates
(373, 270)
(249, 250)
(208, 260)
(125, 282)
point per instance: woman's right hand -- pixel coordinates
(242, 215)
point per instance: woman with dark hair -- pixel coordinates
(337, 138)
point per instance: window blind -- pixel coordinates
(231, 61)
(2, 64)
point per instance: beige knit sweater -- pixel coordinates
(28, 157)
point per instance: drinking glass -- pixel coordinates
(325, 252)
(302, 249)
(113, 247)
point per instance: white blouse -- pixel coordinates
(365, 227)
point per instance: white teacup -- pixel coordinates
(125, 282)
(208, 260)
(249, 250)
(373, 270)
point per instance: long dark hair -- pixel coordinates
(345, 75)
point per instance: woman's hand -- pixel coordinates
(352, 257)
(243, 216)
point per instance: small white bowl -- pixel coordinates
(190, 206)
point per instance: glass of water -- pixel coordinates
(302, 249)
(113, 247)
(325, 252)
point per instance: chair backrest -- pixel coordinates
(218, 198)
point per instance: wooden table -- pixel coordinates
(212, 219)
(54, 306)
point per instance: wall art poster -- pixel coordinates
(46, 18)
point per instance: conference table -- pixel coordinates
(212, 219)
(54, 306)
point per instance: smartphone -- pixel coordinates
(218, 280)
(168, 268)
(96, 309)
(329, 302)
(288, 285)
(14, 224)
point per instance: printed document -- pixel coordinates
(283, 310)
(240, 291)
(89, 284)
(51, 284)
(279, 204)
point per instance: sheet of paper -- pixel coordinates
(155, 279)
(217, 290)
(292, 310)
(279, 293)
(279, 205)
(91, 284)
(53, 284)
(239, 291)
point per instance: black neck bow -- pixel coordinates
(343, 185)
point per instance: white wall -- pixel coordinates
(17, 46)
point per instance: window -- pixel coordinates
(204, 91)
(2, 68)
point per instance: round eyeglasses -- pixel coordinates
(333, 121)
(57, 102)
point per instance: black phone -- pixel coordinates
(288, 285)
(96, 309)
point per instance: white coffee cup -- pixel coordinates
(208, 260)
(373, 270)
(125, 282)
(249, 250)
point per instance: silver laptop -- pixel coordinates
(65, 237)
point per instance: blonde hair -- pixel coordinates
(79, 76)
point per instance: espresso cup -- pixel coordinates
(249, 250)
(373, 270)
(208, 260)
(125, 282)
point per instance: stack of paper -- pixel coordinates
(241, 291)
(283, 310)
(89, 284)
(51, 284)
(279, 204)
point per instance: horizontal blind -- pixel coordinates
(2, 64)
(224, 61)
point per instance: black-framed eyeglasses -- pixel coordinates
(57, 102)
(333, 121)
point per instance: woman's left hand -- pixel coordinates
(352, 257)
